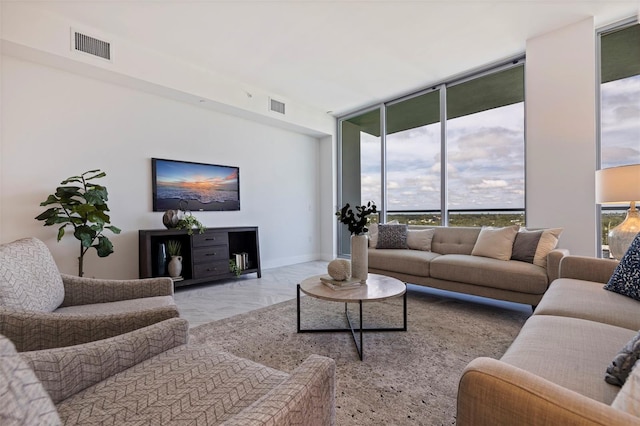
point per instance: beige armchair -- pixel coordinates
(41, 308)
(150, 376)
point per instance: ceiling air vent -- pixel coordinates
(91, 45)
(276, 106)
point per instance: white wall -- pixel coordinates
(56, 124)
(561, 134)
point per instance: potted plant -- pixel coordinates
(357, 224)
(82, 206)
(189, 222)
(174, 248)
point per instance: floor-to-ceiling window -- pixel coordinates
(452, 154)
(413, 160)
(619, 109)
(485, 149)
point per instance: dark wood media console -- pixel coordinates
(205, 257)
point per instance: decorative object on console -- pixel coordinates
(357, 225)
(162, 260)
(626, 277)
(84, 207)
(620, 185)
(339, 269)
(174, 248)
(189, 222)
(206, 187)
(171, 217)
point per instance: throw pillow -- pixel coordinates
(373, 233)
(525, 245)
(623, 362)
(420, 239)
(24, 400)
(496, 243)
(628, 399)
(626, 277)
(548, 241)
(392, 237)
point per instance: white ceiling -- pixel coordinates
(337, 55)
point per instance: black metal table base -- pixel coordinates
(358, 341)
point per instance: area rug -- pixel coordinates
(406, 378)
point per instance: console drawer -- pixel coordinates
(209, 238)
(211, 269)
(208, 254)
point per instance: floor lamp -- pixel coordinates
(620, 185)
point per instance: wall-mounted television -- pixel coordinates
(194, 186)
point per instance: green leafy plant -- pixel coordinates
(233, 267)
(189, 222)
(356, 222)
(82, 206)
(174, 247)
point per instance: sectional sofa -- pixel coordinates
(554, 372)
(512, 263)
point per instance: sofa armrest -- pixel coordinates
(587, 268)
(553, 263)
(84, 291)
(66, 371)
(493, 393)
(31, 330)
(307, 397)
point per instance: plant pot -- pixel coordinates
(175, 266)
(360, 257)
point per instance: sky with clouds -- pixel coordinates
(620, 115)
(485, 155)
(485, 163)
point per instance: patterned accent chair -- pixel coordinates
(150, 376)
(41, 308)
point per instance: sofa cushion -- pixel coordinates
(496, 243)
(120, 307)
(29, 277)
(626, 278)
(420, 239)
(548, 241)
(392, 236)
(621, 365)
(525, 245)
(373, 232)
(568, 297)
(628, 399)
(515, 276)
(454, 240)
(202, 382)
(23, 400)
(570, 352)
(410, 262)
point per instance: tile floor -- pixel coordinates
(204, 303)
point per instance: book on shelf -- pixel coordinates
(340, 285)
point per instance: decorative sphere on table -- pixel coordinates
(339, 269)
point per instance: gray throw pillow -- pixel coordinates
(392, 237)
(525, 246)
(623, 362)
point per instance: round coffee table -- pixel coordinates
(377, 288)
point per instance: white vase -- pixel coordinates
(360, 257)
(175, 266)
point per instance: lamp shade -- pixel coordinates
(618, 184)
